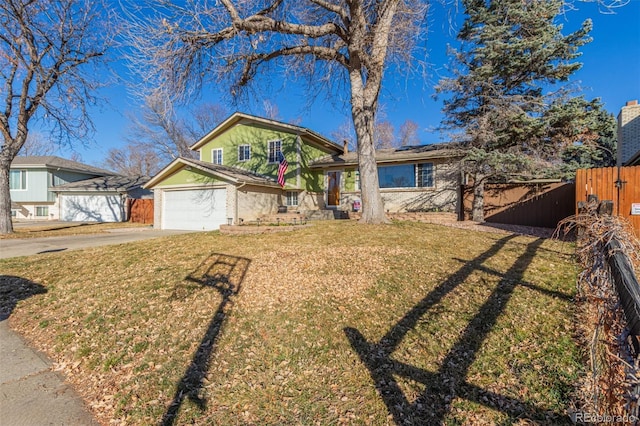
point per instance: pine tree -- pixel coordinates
(511, 50)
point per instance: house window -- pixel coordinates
(356, 182)
(14, 213)
(244, 152)
(18, 179)
(216, 156)
(274, 148)
(42, 211)
(292, 198)
(406, 176)
(425, 175)
(403, 176)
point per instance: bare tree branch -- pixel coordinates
(326, 41)
(47, 45)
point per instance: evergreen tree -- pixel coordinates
(588, 134)
(510, 51)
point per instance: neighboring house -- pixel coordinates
(100, 199)
(235, 178)
(629, 134)
(50, 187)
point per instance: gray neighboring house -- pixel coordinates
(54, 188)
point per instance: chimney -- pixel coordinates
(634, 102)
(345, 146)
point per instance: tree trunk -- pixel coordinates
(363, 114)
(477, 209)
(6, 226)
(372, 205)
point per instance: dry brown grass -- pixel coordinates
(61, 229)
(609, 387)
(334, 324)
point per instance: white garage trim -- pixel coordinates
(91, 208)
(194, 209)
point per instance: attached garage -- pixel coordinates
(100, 199)
(194, 209)
(198, 196)
(92, 208)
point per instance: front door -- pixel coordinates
(333, 189)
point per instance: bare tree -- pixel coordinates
(133, 160)
(182, 47)
(271, 110)
(159, 128)
(408, 133)
(205, 117)
(345, 134)
(46, 47)
(383, 135)
(37, 144)
(159, 135)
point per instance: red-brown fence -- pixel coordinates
(620, 185)
(540, 204)
(140, 211)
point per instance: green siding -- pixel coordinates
(258, 137)
(349, 181)
(312, 181)
(188, 177)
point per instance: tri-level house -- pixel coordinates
(235, 179)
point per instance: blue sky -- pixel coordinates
(611, 72)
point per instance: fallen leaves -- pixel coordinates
(125, 323)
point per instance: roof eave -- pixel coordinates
(388, 160)
(239, 116)
(180, 163)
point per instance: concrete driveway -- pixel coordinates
(31, 246)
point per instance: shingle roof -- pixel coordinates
(239, 117)
(51, 161)
(393, 155)
(104, 183)
(232, 174)
(235, 173)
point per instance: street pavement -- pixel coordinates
(32, 246)
(31, 393)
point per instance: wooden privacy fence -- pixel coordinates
(540, 204)
(140, 210)
(618, 184)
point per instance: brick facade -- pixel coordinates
(628, 132)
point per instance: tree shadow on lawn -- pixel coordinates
(14, 289)
(449, 382)
(224, 274)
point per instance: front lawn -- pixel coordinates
(62, 229)
(336, 323)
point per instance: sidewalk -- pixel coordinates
(31, 394)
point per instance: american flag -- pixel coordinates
(282, 168)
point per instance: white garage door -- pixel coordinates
(196, 210)
(91, 208)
